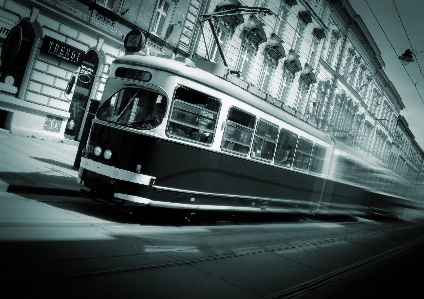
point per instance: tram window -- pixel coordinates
(317, 159)
(238, 131)
(193, 116)
(264, 141)
(370, 177)
(303, 154)
(357, 173)
(286, 147)
(134, 107)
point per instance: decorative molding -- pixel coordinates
(253, 35)
(34, 14)
(100, 42)
(232, 21)
(274, 49)
(290, 3)
(336, 34)
(319, 33)
(292, 62)
(305, 17)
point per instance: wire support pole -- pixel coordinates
(217, 42)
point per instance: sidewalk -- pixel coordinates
(30, 165)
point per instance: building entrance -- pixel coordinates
(83, 86)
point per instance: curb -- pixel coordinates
(70, 142)
(39, 190)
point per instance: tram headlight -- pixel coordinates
(97, 151)
(107, 154)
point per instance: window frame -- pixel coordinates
(256, 137)
(297, 153)
(213, 131)
(157, 17)
(250, 130)
(105, 3)
(292, 150)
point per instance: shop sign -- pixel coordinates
(58, 49)
(4, 29)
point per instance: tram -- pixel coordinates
(173, 135)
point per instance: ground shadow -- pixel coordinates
(53, 162)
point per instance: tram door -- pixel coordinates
(83, 86)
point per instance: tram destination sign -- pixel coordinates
(58, 49)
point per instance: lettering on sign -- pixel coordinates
(4, 31)
(58, 49)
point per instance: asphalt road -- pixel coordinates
(68, 247)
(54, 243)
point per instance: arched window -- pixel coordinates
(16, 53)
(223, 35)
(334, 37)
(285, 85)
(305, 81)
(348, 63)
(273, 52)
(252, 36)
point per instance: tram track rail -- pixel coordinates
(290, 293)
(322, 280)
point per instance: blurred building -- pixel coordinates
(314, 59)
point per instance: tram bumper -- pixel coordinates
(111, 182)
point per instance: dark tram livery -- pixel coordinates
(169, 134)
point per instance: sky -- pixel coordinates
(384, 19)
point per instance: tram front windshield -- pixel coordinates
(134, 107)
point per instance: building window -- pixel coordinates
(298, 36)
(303, 98)
(266, 75)
(286, 82)
(361, 79)
(161, 17)
(261, 3)
(313, 51)
(348, 63)
(282, 20)
(336, 111)
(335, 35)
(354, 71)
(222, 34)
(244, 60)
(375, 102)
(106, 3)
(16, 54)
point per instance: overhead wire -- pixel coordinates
(409, 41)
(375, 17)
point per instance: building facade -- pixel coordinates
(312, 58)
(44, 43)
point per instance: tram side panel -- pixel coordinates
(188, 171)
(229, 180)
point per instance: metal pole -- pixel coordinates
(217, 42)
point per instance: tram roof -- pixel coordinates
(186, 68)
